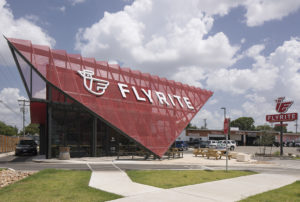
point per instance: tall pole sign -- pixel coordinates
(282, 107)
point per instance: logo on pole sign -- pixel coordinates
(282, 107)
(90, 82)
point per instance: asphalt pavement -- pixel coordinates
(270, 165)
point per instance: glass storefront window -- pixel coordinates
(25, 68)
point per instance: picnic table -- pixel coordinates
(199, 151)
(174, 152)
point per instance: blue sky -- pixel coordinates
(247, 52)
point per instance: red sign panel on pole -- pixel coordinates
(283, 125)
(226, 125)
(282, 117)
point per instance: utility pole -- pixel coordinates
(204, 123)
(23, 104)
(296, 125)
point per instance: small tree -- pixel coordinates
(267, 139)
(32, 129)
(243, 123)
(191, 126)
(7, 129)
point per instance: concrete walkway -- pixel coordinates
(119, 183)
(223, 190)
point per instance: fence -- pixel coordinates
(7, 143)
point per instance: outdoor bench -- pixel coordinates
(174, 152)
(197, 152)
(213, 153)
(223, 153)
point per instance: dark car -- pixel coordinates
(194, 142)
(181, 145)
(26, 147)
(201, 144)
(204, 144)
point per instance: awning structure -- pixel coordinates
(151, 110)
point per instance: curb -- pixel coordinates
(7, 154)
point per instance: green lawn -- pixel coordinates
(55, 185)
(177, 178)
(289, 193)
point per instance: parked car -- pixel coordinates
(231, 144)
(194, 143)
(202, 144)
(212, 143)
(181, 145)
(26, 147)
(221, 146)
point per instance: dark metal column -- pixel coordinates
(94, 138)
(281, 143)
(49, 119)
(43, 140)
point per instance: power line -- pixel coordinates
(8, 107)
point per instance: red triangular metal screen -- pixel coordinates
(154, 112)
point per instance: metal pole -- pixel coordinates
(23, 108)
(281, 143)
(226, 139)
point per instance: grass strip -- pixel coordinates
(55, 185)
(177, 178)
(289, 193)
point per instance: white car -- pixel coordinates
(212, 143)
(231, 144)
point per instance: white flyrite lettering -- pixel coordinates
(178, 99)
(162, 98)
(188, 103)
(123, 89)
(148, 95)
(171, 99)
(137, 95)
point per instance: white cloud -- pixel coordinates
(158, 37)
(214, 120)
(23, 28)
(62, 9)
(11, 115)
(74, 2)
(260, 77)
(254, 51)
(260, 11)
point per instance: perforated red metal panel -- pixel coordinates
(153, 110)
(38, 112)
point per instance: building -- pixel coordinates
(240, 136)
(96, 108)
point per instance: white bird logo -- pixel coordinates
(101, 85)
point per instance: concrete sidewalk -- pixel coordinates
(119, 183)
(223, 190)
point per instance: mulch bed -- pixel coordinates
(9, 176)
